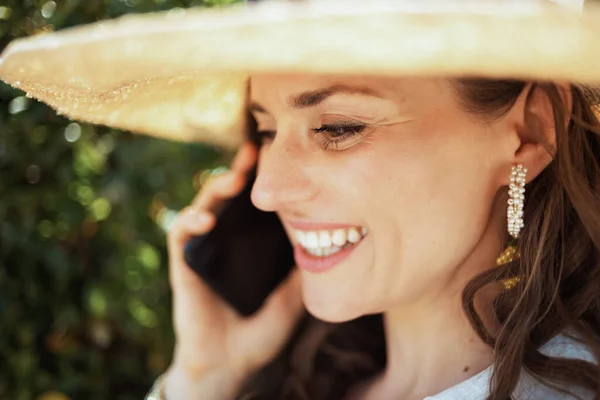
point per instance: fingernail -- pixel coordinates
(196, 216)
(218, 171)
(202, 218)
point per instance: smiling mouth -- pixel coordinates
(324, 243)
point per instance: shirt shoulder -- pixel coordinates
(564, 345)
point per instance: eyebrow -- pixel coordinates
(313, 98)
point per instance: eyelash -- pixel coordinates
(338, 133)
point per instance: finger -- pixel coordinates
(188, 223)
(245, 159)
(226, 184)
(219, 189)
(187, 286)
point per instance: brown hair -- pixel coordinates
(559, 264)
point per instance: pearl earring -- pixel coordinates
(517, 198)
(514, 215)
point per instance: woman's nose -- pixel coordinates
(282, 178)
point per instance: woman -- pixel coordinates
(447, 236)
(423, 165)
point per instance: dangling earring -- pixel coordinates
(514, 216)
(517, 198)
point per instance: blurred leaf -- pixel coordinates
(84, 295)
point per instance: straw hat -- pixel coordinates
(183, 75)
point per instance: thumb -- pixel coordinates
(284, 306)
(273, 324)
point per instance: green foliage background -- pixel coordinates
(84, 296)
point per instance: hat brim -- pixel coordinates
(183, 75)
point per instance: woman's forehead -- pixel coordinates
(277, 88)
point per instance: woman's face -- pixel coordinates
(404, 163)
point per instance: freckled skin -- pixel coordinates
(421, 178)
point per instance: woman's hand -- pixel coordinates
(216, 349)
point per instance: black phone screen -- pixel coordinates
(245, 256)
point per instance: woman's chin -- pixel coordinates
(330, 309)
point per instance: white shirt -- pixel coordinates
(476, 387)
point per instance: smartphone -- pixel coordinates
(246, 255)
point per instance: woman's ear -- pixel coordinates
(537, 131)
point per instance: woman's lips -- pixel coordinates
(313, 240)
(317, 264)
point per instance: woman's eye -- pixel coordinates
(337, 136)
(339, 130)
(331, 136)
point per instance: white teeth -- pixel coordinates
(301, 237)
(324, 239)
(323, 252)
(311, 240)
(330, 251)
(339, 237)
(324, 243)
(353, 235)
